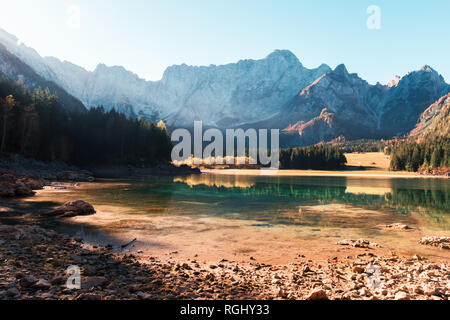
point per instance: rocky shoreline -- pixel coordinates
(117, 172)
(19, 176)
(35, 262)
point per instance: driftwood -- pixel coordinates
(128, 244)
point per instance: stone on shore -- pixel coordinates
(402, 296)
(27, 282)
(93, 282)
(42, 284)
(89, 296)
(73, 209)
(440, 242)
(35, 262)
(317, 294)
(12, 292)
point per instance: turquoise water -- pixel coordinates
(266, 199)
(230, 216)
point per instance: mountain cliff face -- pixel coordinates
(238, 93)
(223, 96)
(406, 101)
(308, 105)
(435, 121)
(357, 109)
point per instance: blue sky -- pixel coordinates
(146, 36)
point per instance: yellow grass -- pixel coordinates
(370, 160)
(366, 165)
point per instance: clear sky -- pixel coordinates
(146, 36)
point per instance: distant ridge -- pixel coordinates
(13, 68)
(435, 121)
(308, 105)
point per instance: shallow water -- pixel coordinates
(218, 216)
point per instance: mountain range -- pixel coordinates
(308, 105)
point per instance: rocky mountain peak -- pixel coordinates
(285, 55)
(394, 82)
(341, 69)
(427, 68)
(7, 37)
(272, 92)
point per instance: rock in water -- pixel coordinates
(397, 226)
(73, 209)
(355, 243)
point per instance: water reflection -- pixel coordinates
(227, 216)
(215, 181)
(257, 197)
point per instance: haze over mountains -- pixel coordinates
(309, 105)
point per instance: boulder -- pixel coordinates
(73, 209)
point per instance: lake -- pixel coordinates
(271, 218)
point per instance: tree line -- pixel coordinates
(422, 156)
(319, 157)
(35, 125)
(362, 145)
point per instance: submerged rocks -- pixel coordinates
(440, 242)
(357, 243)
(396, 226)
(73, 209)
